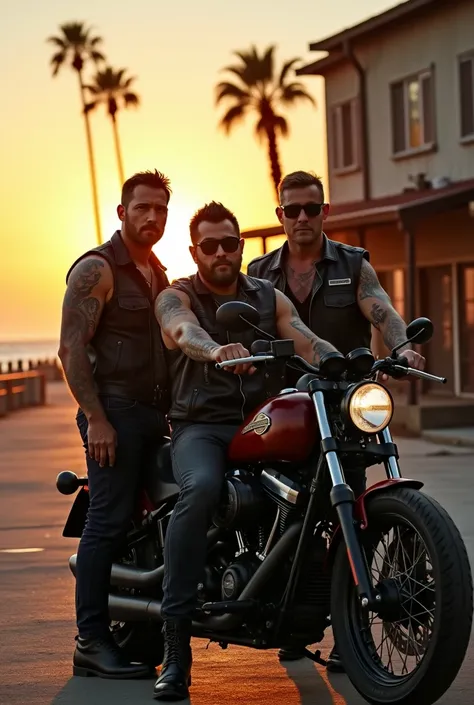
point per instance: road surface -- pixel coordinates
(36, 588)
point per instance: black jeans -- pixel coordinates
(112, 494)
(199, 453)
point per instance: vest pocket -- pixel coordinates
(133, 303)
(338, 299)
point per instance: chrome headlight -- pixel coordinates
(369, 407)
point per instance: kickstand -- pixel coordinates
(315, 657)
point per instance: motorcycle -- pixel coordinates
(292, 551)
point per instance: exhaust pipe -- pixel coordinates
(142, 609)
(128, 576)
(139, 578)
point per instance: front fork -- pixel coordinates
(343, 500)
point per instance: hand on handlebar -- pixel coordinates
(234, 351)
(409, 358)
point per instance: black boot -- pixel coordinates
(102, 657)
(175, 676)
(334, 662)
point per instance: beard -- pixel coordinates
(139, 236)
(218, 275)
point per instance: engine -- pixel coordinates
(258, 509)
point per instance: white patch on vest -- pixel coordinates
(339, 282)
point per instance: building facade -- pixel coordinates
(400, 131)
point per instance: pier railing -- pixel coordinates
(25, 385)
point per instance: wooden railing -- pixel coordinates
(21, 388)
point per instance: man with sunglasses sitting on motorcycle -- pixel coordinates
(334, 289)
(208, 406)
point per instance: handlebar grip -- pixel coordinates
(243, 360)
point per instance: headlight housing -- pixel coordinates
(369, 406)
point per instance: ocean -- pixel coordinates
(27, 350)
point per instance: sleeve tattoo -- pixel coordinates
(81, 313)
(377, 307)
(319, 346)
(174, 318)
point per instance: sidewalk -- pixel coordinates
(462, 436)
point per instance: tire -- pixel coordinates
(452, 606)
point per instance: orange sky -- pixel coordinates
(176, 51)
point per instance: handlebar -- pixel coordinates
(244, 360)
(420, 374)
(255, 359)
(385, 366)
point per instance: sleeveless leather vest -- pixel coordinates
(127, 351)
(334, 313)
(200, 393)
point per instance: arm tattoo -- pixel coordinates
(319, 346)
(382, 314)
(168, 305)
(78, 294)
(369, 285)
(80, 317)
(191, 338)
(196, 343)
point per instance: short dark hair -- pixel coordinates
(153, 179)
(300, 179)
(212, 213)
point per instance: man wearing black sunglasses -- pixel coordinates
(208, 406)
(333, 287)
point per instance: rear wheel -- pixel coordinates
(411, 651)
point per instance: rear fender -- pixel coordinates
(76, 520)
(77, 516)
(360, 510)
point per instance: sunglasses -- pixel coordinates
(211, 245)
(294, 209)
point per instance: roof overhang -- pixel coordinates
(403, 209)
(336, 45)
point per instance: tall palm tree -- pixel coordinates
(75, 44)
(260, 91)
(111, 87)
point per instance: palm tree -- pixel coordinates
(76, 44)
(111, 87)
(261, 92)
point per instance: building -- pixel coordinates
(400, 124)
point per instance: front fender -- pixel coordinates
(360, 511)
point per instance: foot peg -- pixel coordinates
(229, 606)
(315, 657)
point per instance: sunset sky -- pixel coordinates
(176, 50)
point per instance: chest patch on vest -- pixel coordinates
(339, 282)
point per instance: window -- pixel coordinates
(413, 124)
(466, 92)
(344, 136)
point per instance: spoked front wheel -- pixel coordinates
(412, 649)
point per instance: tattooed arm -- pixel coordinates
(180, 327)
(88, 288)
(289, 325)
(376, 306)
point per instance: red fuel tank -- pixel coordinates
(283, 428)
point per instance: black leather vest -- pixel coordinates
(334, 313)
(127, 351)
(200, 393)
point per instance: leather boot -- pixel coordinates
(175, 676)
(100, 656)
